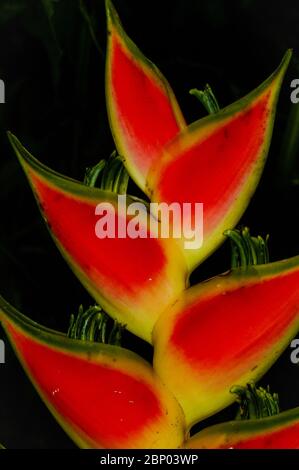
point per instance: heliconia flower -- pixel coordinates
(228, 330)
(103, 396)
(225, 331)
(218, 161)
(136, 280)
(143, 111)
(276, 432)
(133, 279)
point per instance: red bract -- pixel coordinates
(143, 111)
(133, 279)
(218, 161)
(102, 395)
(228, 330)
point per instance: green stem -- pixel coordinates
(93, 325)
(109, 175)
(247, 250)
(255, 403)
(92, 174)
(207, 98)
(236, 238)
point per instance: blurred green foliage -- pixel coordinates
(52, 59)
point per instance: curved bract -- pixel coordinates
(218, 161)
(134, 279)
(143, 111)
(226, 331)
(103, 396)
(276, 432)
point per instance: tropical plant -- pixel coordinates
(211, 341)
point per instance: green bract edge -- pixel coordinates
(84, 350)
(64, 183)
(255, 426)
(60, 341)
(241, 103)
(113, 19)
(238, 277)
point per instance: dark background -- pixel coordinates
(52, 62)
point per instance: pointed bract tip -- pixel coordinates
(22, 154)
(10, 136)
(289, 53)
(16, 145)
(281, 70)
(111, 13)
(287, 58)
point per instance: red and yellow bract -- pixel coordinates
(226, 331)
(218, 161)
(134, 280)
(102, 395)
(276, 432)
(143, 111)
